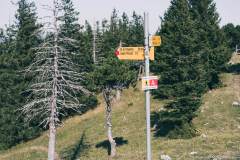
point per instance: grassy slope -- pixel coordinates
(218, 122)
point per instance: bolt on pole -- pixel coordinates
(147, 92)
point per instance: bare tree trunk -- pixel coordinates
(140, 72)
(52, 141)
(112, 142)
(107, 97)
(52, 125)
(52, 121)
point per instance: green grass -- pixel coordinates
(218, 124)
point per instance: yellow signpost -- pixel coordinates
(155, 41)
(148, 82)
(133, 53)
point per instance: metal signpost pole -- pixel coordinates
(147, 92)
(148, 82)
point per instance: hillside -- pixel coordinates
(83, 137)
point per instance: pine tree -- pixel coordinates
(86, 43)
(233, 35)
(77, 40)
(69, 24)
(26, 28)
(179, 64)
(211, 38)
(70, 27)
(2, 40)
(19, 38)
(136, 30)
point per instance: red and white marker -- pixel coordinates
(117, 52)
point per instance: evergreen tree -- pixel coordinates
(86, 50)
(82, 36)
(8, 42)
(233, 35)
(136, 30)
(212, 41)
(2, 40)
(69, 28)
(26, 31)
(18, 40)
(179, 64)
(78, 42)
(69, 24)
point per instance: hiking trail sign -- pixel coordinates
(155, 41)
(150, 82)
(145, 53)
(133, 53)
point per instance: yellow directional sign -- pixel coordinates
(155, 41)
(133, 53)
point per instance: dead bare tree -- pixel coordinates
(56, 81)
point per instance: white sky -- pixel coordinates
(99, 9)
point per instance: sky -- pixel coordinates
(93, 10)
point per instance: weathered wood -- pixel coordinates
(108, 97)
(56, 81)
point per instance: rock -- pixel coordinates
(235, 103)
(204, 135)
(215, 158)
(231, 62)
(193, 153)
(165, 157)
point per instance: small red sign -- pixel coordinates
(153, 82)
(150, 82)
(117, 53)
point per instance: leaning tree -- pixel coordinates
(110, 76)
(57, 84)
